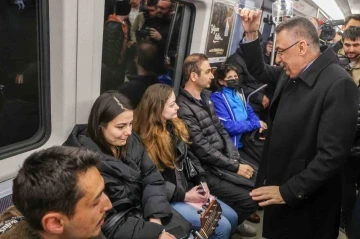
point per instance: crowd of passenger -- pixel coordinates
(146, 154)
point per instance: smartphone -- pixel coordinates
(177, 232)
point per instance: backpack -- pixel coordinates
(115, 40)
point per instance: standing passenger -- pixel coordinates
(311, 130)
(166, 140)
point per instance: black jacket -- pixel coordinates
(178, 179)
(130, 183)
(135, 88)
(355, 150)
(312, 121)
(210, 142)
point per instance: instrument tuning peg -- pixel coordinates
(199, 211)
(204, 206)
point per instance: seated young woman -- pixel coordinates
(132, 182)
(231, 107)
(165, 137)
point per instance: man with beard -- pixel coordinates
(351, 43)
(352, 20)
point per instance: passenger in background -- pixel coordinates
(260, 100)
(232, 109)
(115, 43)
(316, 23)
(351, 49)
(352, 20)
(135, 10)
(147, 73)
(132, 182)
(166, 140)
(58, 193)
(268, 50)
(228, 177)
(149, 15)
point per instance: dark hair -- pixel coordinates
(355, 17)
(301, 27)
(352, 32)
(146, 52)
(152, 3)
(220, 74)
(107, 107)
(123, 8)
(47, 181)
(193, 63)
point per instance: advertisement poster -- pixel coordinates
(220, 32)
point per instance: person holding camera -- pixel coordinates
(352, 20)
(149, 15)
(312, 122)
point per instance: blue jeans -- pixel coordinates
(227, 223)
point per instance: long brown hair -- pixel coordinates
(151, 127)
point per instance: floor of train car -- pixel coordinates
(259, 230)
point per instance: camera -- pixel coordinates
(142, 34)
(328, 29)
(344, 62)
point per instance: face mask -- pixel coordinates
(233, 84)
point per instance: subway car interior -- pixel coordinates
(52, 56)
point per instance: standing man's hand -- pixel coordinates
(268, 195)
(251, 22)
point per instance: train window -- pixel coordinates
(24, 75)
(159, 23)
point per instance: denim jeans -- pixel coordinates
(227, 223)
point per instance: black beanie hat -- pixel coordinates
(123, 8)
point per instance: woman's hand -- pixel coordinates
(194, 196)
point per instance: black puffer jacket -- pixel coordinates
(130, 183)
(210, 142)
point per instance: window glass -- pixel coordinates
(21, 81)
(126, 28)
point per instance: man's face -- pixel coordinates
(203, 80)
(353, 23)
(288, 54)
(90, 209)
(269, 47)
(153, 11)
(164, 8)
(135, 3)
(352, 48)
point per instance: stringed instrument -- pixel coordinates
(209, 219)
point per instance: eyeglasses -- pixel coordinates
(281, 52)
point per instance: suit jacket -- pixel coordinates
(311, 130)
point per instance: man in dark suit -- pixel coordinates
(312, 121)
